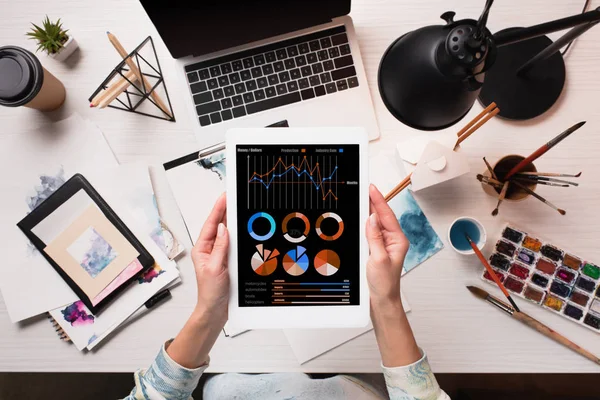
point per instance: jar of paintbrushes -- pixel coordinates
(515, 178)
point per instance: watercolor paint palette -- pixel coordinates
(547, 275)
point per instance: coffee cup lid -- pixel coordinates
(21, 76)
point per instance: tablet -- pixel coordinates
(297, 204)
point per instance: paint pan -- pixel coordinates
(545, 274)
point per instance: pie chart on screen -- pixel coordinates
(295, 261)
(264, 262)
(327, 262)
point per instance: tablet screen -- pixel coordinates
(298, 225)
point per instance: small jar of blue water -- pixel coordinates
(471, 227)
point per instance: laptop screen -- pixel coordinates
(204, 26)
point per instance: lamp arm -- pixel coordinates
(521, 34)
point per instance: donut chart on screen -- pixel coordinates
(295, 261)
(327, 262)
(264, 262)
(287, 234)
(323, 217)
(266, 236)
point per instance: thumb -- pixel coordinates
(218, 255)
(375, 239)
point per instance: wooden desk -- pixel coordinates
(459, 332)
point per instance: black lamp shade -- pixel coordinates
(413, 86)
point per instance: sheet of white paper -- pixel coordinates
(412, 150)
(122, 187)
(140, 312)
(425, 176)
(36, 163)
(310, 343)
(196, 185)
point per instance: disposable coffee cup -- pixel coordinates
(24, 82)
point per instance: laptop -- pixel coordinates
(251, 63)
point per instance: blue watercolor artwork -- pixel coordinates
(215, 163)
(424, 242)
(92, 252)
(48, 185)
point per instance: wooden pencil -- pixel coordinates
(477, 126)
(141, 78)
(114, 91)
(474, 120)
(398, 188)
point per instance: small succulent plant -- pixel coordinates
(51, 37)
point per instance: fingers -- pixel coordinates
(205, 241)
(218, 257)
(376, 241)
(379, 206)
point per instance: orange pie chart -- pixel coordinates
(327, 262)
(264, 262)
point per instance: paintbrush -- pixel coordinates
(489, 167)
(532, 323)
(500, 198)
(551, 174)
(545, 179)
(539, 182)
(540, 198)
(490, 181)
(490, 271)
(539, 152)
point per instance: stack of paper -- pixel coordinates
(39, 163)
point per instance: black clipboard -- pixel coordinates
(55, 200)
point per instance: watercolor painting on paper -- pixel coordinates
(424, 242)
(92, 252)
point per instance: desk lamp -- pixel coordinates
(429, 78)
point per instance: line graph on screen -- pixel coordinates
(293, 181)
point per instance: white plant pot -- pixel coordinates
(68, 48)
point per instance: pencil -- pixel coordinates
(486, 110)
(119, 80)
(113, 91)
(141, 78)
(542, 150)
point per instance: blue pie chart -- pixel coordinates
(295, 261)
(267, 235)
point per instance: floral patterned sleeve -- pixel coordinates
(165, 379)
(413, 382)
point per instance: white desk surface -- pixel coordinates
(459, 332)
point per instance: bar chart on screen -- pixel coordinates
(289, 181)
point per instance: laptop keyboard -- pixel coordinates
(271, 76)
